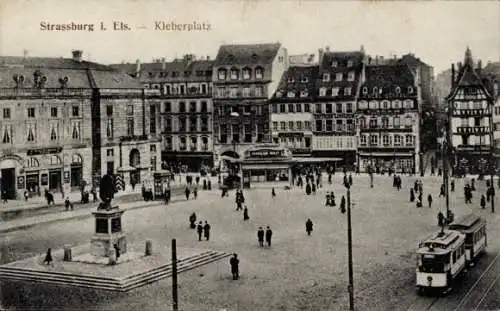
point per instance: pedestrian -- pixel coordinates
(234, 262)
(67, 204)
(4, 196)
(309, 226)
(483, 201)
(313, 188)
(187, 192)
(48, 257)
(440, 219)
(192, 221)
(273, 193)
(429, 199)
(260, 236)
(245, 213)
(473, 184)
(342, 205)
(441, 191)
(350, 179)
(269, 234)
(195, 192)
(199, 230)
(412, 195)
(206, 230)
(26, 195)
(452, 185)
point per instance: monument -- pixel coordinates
(108, 237)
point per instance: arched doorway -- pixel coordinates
(9, 165)
(135, 161)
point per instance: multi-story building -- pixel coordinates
(186, 108)
(493, 71)
(245, 77)
(291, 109)
(470, 126)
(388, 113)
(52, 127)
(337, 86)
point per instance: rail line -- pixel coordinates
(485, 294)
(469, 293)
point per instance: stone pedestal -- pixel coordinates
(108, 232)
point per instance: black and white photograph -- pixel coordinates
(267, 155)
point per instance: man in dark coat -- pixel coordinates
(309, 226)
(206, 230)
(308, 189)
(269, 234)
(412, 195)
(245, 213)
(313, 188)
(187, 192)
(483, 201)
(48, 257)
(199, 230)
(234, 262)
(350, 179)
(192, 221)
(441, 191)
(440, 219)
(342, 205)
(452, 185)
(260, 236)
(429, 199)
(273, 193)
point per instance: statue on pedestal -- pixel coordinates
(106, 192)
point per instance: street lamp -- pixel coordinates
(350, 288)
(445, 151)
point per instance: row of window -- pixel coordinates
(245, 74)
(472, 105)
(7, 134)
(477, 121)
(339, 76)
(374, 122)
(336, 142)
(387, 140)
(347, 91)
(187, 123)
(237, 133)
(193, 143)
(291, 108)
(378, 91)
(31, 112)
(293, 142)
(226, 110)
(234, 92)
(181, 89)
(386, 104)
(292, 125)
(183, 107)
(330, 126)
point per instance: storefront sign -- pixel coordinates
(20, 182)
(45, 179)
(265, 153)
(66, 177)
(40, 151)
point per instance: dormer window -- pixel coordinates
(305, 80)
(322, 91)
(304, 94)
(221, 74)
(349, 63)
(347, 91)
(279, 94)
(255, 57)
(338, 77)
(291, 80)
(410, 90)
(234, 74)
(365, 90)
(335, 91)
(259, 73)
(375, 91)
(290, 94)
(150, 74)
(246, 73)
(335, 64)
(398, 90)
(326, 77)
(350, 77)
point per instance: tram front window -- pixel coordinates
(433, 263)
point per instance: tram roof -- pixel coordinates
(439, 243)
(467, 223)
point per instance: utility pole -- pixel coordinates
(175, 302)
(349, 249)
(446, 178)
(492, 155)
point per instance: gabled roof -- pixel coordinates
(297, 79)
(469, 76)
(387, 78)
(247, 54)
(79, 74)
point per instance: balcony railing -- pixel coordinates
(473, 129)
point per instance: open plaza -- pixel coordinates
(298, 272)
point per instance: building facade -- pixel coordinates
(492, 70)
(337, 86)
(245, 77)
(185, 106)
(470, 126)
(388, 117)
(291, 113)
(51, 133)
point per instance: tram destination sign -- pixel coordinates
(266, 153)
(40, 151)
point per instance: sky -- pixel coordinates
(436, 31)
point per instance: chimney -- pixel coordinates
(327, 49)
(25, 53)
(376, 59)
(77, 55)
(452, 75)
(320, 55)
(362, 49)
(163, 64)
(208, 57)
(137, 68)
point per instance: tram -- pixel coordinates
(440, 260)
(474, 228)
